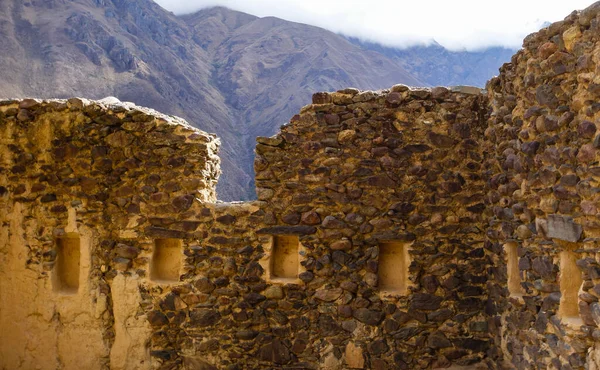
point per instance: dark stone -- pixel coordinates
(417, 148)
(327, 326)
(569, 180)
(544, 266)
(596, 142)
(390, 326)
(288, 230)
(321, 98)
(541, 322)
(275, 352)
(470, 304)
(585, 313)
(332, 119)
(331, 222)
(532, 112)
(439, 92)
(367, 316)
(345, 311)
(163, 355)
(311, 218)
(157, 319)
(545, 96)
(407, 332)
(204, 317)
(402, 208)
(254, 298)
(58, 209)
(440, 315)
(176, 162)
(475, 345)
(479, 326)
(221, 240)
(430, 283)
(530, 148)
(422, 301)
(292, 218)
(183, 202)
(341, 245)
(226, 219)
(47, 198)
(377, 347)
(438, 340)
(163, 233)
(306, 276)
(204, 285)
(586, 129)
(382, 181)
(208, 345)
(441, 141)
(379, 364)
(595, 311)
(394, 98)
(246, 334)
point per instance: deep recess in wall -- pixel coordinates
(284, 257)
(66, 269)
(166, 260)
(570, 283)
(512, 269)
(394, 261)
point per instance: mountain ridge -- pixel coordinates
(224, 71)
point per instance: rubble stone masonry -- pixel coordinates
(400, 229)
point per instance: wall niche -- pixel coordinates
(284, 257)
(65, 275)
(512, 269)
(570, 283)
(165, 265)
(394, 261)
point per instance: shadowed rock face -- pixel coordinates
(226, 72)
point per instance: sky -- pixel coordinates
(456, 24)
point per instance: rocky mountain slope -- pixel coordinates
(225, 72)
(438, 66)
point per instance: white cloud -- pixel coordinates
(456, 24)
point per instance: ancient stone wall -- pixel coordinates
(399, 229)
(364, 250)
(543, 198)
(77, 179)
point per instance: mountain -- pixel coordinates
(438, 66)
(224, 71)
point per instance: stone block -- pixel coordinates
(563, 228)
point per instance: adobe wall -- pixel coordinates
(544, 197)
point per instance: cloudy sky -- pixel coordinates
(456, 24)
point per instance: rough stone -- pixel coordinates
(563, 228)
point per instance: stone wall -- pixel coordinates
(543, 197)
(399, 229)
(165, 277)
(351, 173)
(77, 179)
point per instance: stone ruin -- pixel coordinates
(400, 229)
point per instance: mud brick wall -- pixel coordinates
(543, 198)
